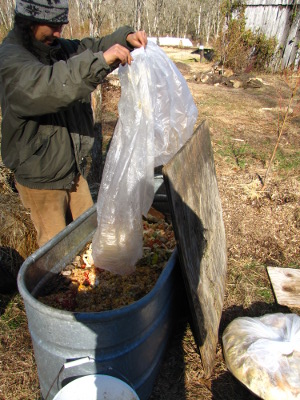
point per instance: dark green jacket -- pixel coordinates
(47, 120)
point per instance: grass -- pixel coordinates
(12, 316)
(238, 153)
(286, 160)
(266, 295)
(241, 154)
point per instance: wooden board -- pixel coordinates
(193, 194)
(286, 285)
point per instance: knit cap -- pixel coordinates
(43, 11)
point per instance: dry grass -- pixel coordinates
(17, 235)
(16, 227)
(262, 228)
(18, 375)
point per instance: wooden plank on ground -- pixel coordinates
(286, 285)
(193, 194)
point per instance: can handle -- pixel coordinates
(77, 362)
(80, 361)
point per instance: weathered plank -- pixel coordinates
(286, 285)
(191, 184)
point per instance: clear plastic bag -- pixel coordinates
(264, 354)
(157, 115)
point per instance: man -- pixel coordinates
(47, 123)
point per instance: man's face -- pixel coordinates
(47, 33)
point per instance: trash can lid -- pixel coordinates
(195, 203)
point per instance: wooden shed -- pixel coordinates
(279, 18)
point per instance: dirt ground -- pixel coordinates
(262, 224)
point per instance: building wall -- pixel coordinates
(274, 18)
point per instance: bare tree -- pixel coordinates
(138, 13)
(95, 16)
(6, 15)
(195, 19)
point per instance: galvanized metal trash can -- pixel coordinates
(127, 343)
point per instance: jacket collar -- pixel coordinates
(48, 54)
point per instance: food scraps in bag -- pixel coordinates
(264, 354)
(82, 287)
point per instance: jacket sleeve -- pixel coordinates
(104, 43)
(32, 88)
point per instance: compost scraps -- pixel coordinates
(82, 287)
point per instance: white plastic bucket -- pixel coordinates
(96, 387)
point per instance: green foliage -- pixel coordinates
(264, 49)
(240, 48)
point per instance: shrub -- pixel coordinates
(240, 48)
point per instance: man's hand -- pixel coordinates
(117, 54)
(121, 55)
(137, 39)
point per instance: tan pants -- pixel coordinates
(49, 208)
